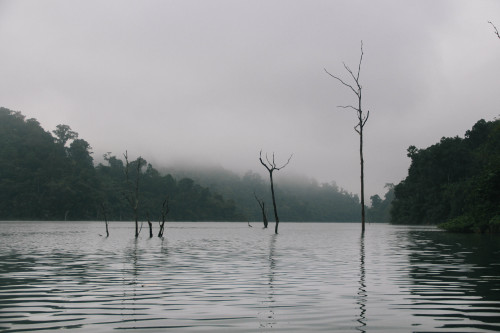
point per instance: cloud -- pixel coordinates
(216, 81)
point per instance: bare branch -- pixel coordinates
(284, 165)
(495, 28)
(262, 162)
(366, 118)
(258, 200)
(354, 77)
(341, 81)
(348, 107)
(271, 163)
(360, 60)
(271, 166)
(348, 69)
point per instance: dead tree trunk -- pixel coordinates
(271, 167)
(133, 196)
(103, 207)
(356, 88)
(262, 206)
(164, 211)
(150, 226)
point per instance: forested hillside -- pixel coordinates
(46, 177)
(456, 181)
(52, 176)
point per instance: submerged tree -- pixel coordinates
(262, 206)
(103, 207)
(356, 88)
(150, 226)
(165, 209)
(271, 167)
(132, 196)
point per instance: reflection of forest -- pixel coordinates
(268, 316)
(458, 277)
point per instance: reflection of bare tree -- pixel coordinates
(269, 320)
(362, 294)
(164, 248)
(129, 278)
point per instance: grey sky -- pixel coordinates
(213, 82)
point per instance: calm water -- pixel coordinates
(213, 277)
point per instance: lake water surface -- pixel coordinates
(228, 277)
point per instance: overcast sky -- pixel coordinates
(213, 82)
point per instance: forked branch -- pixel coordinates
(355, 77)
(342, 81)
(271, 165)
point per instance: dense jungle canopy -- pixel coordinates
(455, 182)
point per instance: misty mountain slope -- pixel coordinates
(298, 198)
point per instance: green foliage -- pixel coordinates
(43, 179)
(456, 181)
(64, 133)
(37, 178)
(380, 210)
(462, 223)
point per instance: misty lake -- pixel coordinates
(228, 277)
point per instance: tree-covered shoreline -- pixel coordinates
(52, 176)
(45, 177)
(454, 183)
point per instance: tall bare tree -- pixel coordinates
(495, 28)
(271, 166)
(356, 88)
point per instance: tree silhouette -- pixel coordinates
(356, 88)
(64, 133)
(132, 196)
(271, 166)
(165, 209)
(262, 206)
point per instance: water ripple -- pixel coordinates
(227, 277)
